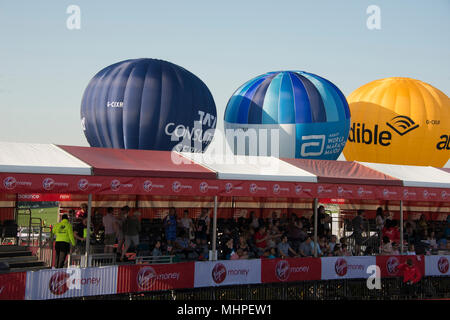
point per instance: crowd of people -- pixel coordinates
(253, 237)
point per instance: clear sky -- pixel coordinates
(45, 67)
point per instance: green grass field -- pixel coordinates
(48, 215)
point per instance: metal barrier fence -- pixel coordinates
(95, 260)
(429, 287)
(154, 259)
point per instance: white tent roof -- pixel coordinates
(39, 159)
(231, 167)
(414, 176)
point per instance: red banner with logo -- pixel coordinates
(105, 185)
(13, 286)
(137, 278)
(292, 269)
(389, 264)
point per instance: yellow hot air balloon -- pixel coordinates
(399, 121)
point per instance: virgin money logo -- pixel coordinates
(443, 265)
(48, 183)
(253, 188)
(146, 278)
(176, 186)
(392, 265)
(298, 189)
(148, 185)
(282, 270)
(322, 189)
(203, 187)
(219, 273)
(444, 194)
(83, 184)
(58, 283)
(340, 267)
(276, 188)
(228, 187)
(115, 185)
(387, 193)
(425, 194)
(9, 183)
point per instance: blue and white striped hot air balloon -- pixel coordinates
(310, 113)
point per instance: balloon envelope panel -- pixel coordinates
(399, 121)
(309, 114)
(148, 104)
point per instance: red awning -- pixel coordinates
(340, 172)
(139, 163)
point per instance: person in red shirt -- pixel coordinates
(391, 231)
(261, 238)
(411, 277)
(82, 213)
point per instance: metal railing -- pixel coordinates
(154, 259)
(95, 260)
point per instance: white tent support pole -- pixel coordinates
(401, 227)
(315, 227)
(214, 236)
(88, 233)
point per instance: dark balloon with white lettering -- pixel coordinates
(148, 104)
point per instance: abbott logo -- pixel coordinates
(317, 142)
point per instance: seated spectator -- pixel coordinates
(272, 253)
(261, 238)
(243, 246)
(182, 245)
(156, 252)
(242, 254)
(395, 249)
(306, 249)
(323, 245)
(345, 251)
(285, 249)
(337, 252)
(411, 251)
(431, 240)
(274, 234)
(386, 248)
(228, 251)
(332, 243)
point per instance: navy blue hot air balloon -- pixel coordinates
(310, 116)
(148, 104)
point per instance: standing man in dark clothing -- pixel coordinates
(357, 224)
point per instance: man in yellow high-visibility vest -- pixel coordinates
(64, 238)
